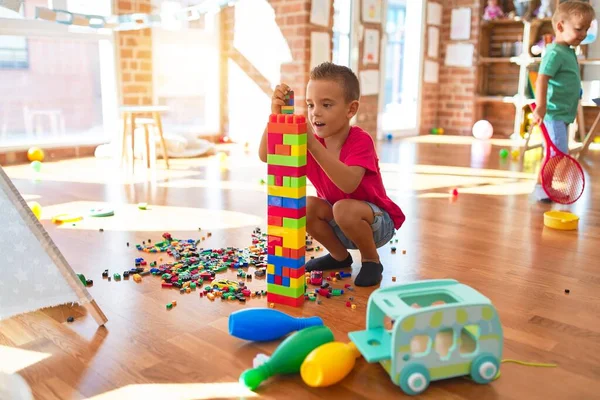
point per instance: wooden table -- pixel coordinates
(130, 113)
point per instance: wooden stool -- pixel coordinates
(132, 118)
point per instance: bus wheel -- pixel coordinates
(414, 379)
(484, 368)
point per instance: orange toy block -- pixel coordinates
(287, 124)
(286, 272)
(283, 149)
(275, 220)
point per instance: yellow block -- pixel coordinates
(270, 269)
(279, 251)
(297, 282)
(292, 238)
(298, 150)
(291, 193)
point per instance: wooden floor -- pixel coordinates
(490, 237)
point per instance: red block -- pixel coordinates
(277, 279)
(274, 220)
(286, 272)
(271, 249)
(283, 149)
(288, 301)
(273, 139)
(286, 171)
(286, 252)
(297, 272)
(278, 182)
(287, 212)
(274, 240)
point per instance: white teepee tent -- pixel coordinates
(33, 272)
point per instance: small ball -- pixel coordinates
(35, 154)
(503, 153)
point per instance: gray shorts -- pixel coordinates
(559, 134)
(382, 227)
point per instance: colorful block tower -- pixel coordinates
(286, 206)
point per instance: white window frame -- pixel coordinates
(33, 28)
(382, 59)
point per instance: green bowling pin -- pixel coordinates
(288, 356)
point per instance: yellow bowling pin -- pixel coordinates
(328, 364)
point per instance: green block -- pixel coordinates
(286, 161)
(294, 139)
(271, 180)
(286, 181)
(298, 182)
(285, 291)
(294, 223)
(287, 111)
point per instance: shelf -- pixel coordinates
(497, 60)
(495, 99)
(519, 60)
(590, 61)
(516, 20)
(504, 99)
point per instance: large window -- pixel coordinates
(342, 23)
(58, 82)
(402, 66)
(186, 69)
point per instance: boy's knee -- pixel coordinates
(316, 209)
(344, 212)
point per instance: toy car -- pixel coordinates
(224, 283)
(316, 278)
(442, 329)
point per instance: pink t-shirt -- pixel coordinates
(358, 150)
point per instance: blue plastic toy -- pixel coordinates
(265, 324)
(441, 329)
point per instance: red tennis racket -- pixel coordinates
(562, 176)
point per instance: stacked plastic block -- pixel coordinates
(286, 206)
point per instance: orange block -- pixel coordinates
(283, 149)
(286, 272)
(275, 220)
(286, 252)
(296, 253)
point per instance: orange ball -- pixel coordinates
(35, 154)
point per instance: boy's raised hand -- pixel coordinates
(278, 99)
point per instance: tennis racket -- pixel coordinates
(562, 176)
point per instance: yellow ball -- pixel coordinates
(36, 209)
(35, 154)
(515, 154)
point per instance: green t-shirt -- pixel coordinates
(564, 87)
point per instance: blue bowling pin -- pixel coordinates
(265, 324)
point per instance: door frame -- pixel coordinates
(382, 60)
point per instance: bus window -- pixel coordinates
(420, 345)
(469, 335)
(443, 343)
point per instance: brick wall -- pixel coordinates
(430, 92)
(457, 86)
(134, 53)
